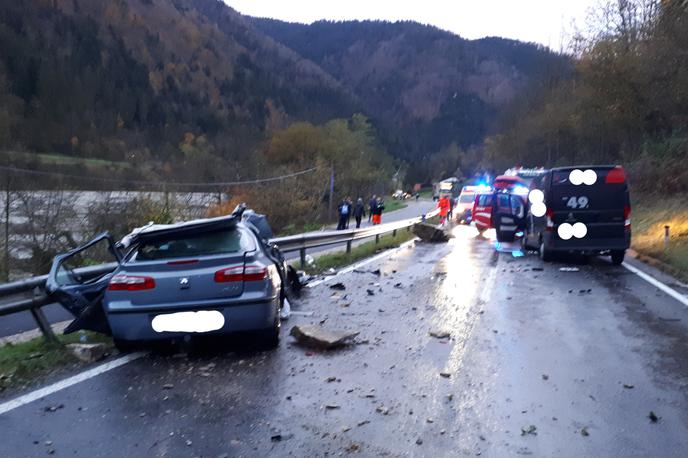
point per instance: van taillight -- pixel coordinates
(627, 217)
(250, 272)
(549, 218)
(130, 283)
(616, 176)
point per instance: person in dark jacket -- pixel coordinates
(350, 203)
(371, 206)
(344, 211)
(377, 211)
(359, 212)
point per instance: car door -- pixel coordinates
(482, 211)
(78, 280)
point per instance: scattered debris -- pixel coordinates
(445, 374)
(330, 271)
(568, 269)
(376, 272)
(276, 438)
(584, 431)
(316, 336)
(332, 406)
(88, 353)
(53, 408)
(398, 285)
(167, 386)
(419, 441)
(429, 233)
(370, 292)
(537, 269)
(353, 448)
(545, 377)
(331, 379)
(338, 286)
(653, 417)
(532, 429)
(628, 386)
(363, 423)
(440, 334)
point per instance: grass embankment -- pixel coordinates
(24, 362)
(393, 205)
(340, 259)
(649, 218)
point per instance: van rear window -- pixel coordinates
(466, 198)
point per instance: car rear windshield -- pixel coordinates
(466, 198)
(565, 196)
(211, 243)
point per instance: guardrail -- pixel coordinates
(29, 294)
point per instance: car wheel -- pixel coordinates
(618, 256)
(268, 339)
(124, 346)
(545, 254)
(505, 236)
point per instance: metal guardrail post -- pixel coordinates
(377, 239)
(302, 253)
(394, 233)
(44, 325)
(348, 247)
(666, 237)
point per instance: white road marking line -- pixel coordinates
(66, 383)
(353, 267)
(658, 284)
(489, 284)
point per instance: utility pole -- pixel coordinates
(6, 258)
(331, 194)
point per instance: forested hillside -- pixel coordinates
(135, 80)
(426, 87)
(191, 88)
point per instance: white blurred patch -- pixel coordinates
(576, 177)
(538, 209)
(203, 321)
(565, 231)
(589, 177)
(536, 196)
(580, 230)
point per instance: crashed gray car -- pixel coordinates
(211, 276)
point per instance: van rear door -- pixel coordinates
(601, 204)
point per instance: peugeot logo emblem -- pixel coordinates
(184, 283)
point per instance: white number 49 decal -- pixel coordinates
(577, 202)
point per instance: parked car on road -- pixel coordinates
(211, 276)
(586, 210)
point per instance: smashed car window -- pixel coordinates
(219, 242)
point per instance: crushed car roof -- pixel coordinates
(154, 231)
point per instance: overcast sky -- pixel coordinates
(542, 21)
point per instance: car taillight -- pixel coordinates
(627, 217)
(130, 283)
(250, 272)
(230, 274)
(616, 176)
(549, 218)
(254, 272)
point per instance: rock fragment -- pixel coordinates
(319, 337)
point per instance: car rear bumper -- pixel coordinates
(554, 243)
(137, 325)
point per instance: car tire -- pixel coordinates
(124, 346)
(507, 237)
(269, 339)
(545, 254)
(618, 256)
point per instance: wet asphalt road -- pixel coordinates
(536, 365)
(20, 322)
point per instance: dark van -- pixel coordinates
(587, 210)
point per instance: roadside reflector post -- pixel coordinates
(348, 246)
(394, 233)
(377, 239)
(666, 237)
(302, 252)
(44, 325)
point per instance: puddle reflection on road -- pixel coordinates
(464, 267)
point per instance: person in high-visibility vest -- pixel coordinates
(444, 205)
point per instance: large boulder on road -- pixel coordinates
(430, 233)
(319, 337)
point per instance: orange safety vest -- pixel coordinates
(443, 205)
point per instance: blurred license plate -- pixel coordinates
(201, 321)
